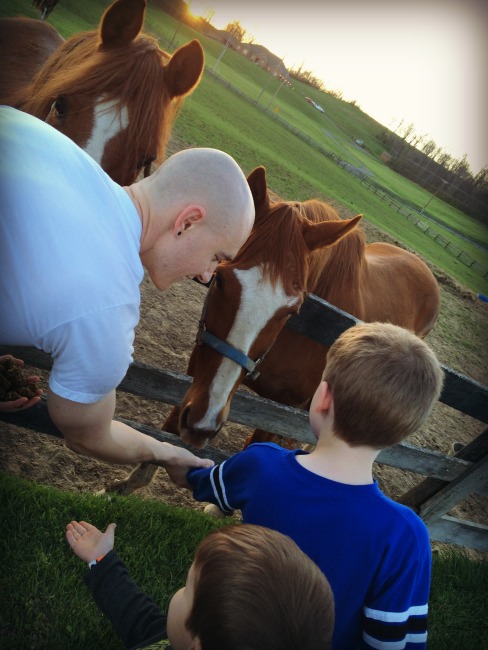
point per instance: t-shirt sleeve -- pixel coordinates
(226, 485)
(398, 613)
(91, 354)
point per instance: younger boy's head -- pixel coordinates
(252, 588)
(384, 382)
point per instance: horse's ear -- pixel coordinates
(184, 69)
(259, 188)
(319, 235)
(122, 22)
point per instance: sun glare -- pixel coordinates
(420, 62)
(199, 8)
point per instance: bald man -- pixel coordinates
(73, 248)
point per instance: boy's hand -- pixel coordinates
(179, 461)
(87, 541)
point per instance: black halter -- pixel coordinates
(224, 348)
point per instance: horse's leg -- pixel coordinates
(145, 472)
(259, 435)
(138, 478)
(265, 436)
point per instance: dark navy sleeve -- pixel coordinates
(227, 484)
(136, 619)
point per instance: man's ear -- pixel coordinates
(187, 217)
(324, 397)
(195, 644)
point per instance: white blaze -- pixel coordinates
(259, 302)
(108, 121)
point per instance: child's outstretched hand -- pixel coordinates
(87, 541)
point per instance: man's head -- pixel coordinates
(197, 210)
(252, 587)
(384, 381)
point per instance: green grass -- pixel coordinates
(458, 600)
(215, 116)
(49, 607)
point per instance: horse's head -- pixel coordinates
(249, 302)
(115, 92)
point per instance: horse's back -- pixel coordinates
(25, 45)
(399, 287)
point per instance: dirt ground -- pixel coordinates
(164, 338)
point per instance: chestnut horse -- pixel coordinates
(111, 90)
(294, 249)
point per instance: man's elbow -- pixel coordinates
(81, 425)
(75, 438)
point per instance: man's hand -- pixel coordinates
(179, 461)
(87, 541)
(21, 403)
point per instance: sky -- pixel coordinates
(421, 61)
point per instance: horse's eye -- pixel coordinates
(60, 107)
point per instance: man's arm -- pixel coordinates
(89, 429)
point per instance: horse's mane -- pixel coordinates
(336, 267)
(133, 73)
(279, 234)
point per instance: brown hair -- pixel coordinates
(384, 380)
(256, 590)
(321, 273)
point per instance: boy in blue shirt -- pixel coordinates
(379, 385)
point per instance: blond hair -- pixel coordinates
(384, 380)
(256, 590)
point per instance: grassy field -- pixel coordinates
(214, 116)
(49, 607)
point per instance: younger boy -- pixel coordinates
(249, 588)
(379, 385)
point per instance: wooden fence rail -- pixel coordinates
(449, 478)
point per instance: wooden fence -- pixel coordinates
(449, 479)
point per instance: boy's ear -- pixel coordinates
(324, 397)
(188, 216)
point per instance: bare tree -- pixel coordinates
(429, 147)
(236, 30)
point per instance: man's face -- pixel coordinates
(193, 254)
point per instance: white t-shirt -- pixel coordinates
(69, 258)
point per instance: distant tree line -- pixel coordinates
(306, 77)
(420, 159)
(414, 156)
